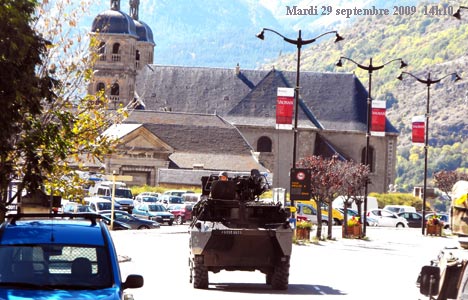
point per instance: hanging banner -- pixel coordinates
(419, 130)
(284, 108)
(378, 118)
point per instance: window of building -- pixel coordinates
(116, 52)
(115, 89)
(371, 158)
(137, 59)
(264, 144)
(100, 87)
(102, 51)
(116, 48)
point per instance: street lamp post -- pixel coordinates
(299, 42)
(369, 68)
(457, 14)
(428, 82)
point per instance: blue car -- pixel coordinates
(60, 256)
(153, 211)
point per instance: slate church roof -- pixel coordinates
(331, 101)
(198, 139)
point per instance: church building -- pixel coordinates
(193, 120)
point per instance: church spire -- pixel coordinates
(115, 4)
(134, 9)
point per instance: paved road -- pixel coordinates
(384, 267)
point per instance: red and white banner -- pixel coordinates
(419, 130)
(284, 108)
(378, 118)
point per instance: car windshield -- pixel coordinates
(123, 193)
(104, 205)
(156, 208)
(176, 200)
(150, 199)
(83, 208)
(55, 266)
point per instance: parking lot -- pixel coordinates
(384, 267)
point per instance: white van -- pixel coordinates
(399, 208)
(371, 203)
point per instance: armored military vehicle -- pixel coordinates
(446, 277)
(234, 230)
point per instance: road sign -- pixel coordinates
(300, 184)
(119, 177)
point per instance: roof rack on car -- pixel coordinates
(90, 216)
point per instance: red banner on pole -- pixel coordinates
(419, 130)
(378, 118)
(284, 106)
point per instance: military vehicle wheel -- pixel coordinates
(179, 220)
(200, 276)
(279, 280)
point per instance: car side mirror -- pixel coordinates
(133, 281)
(429, 280)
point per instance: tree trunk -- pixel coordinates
(330, 220)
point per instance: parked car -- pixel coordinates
(309, 213)
(134, 222)
(169, 200)
(337, 216)
(75, 207)
(399, 208)
(144, 199)
(414, 219)
(98, 204)
(155, 212)
(354, 213)
(116, 225)
(441, 216)
(191, 197)
(387, 218)
(167, 195)
(153, 194)
(79, 262)
(182, 212)
(177, 192)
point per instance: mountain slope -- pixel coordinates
(429, 44)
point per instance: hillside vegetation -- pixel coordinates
(429, 44)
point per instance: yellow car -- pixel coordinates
(337, 215)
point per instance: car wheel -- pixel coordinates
(179, 220)
(325, 223)
(400, 225)
(170, 223)
(336, 222)
(144, 227)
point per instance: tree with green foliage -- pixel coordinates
(22, 91)
(48, 123)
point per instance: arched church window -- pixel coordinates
(100, 87)
(264, 144)
(116, 48)
(115, 89)
(116, 52)
(137, 59)
(102, 51)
